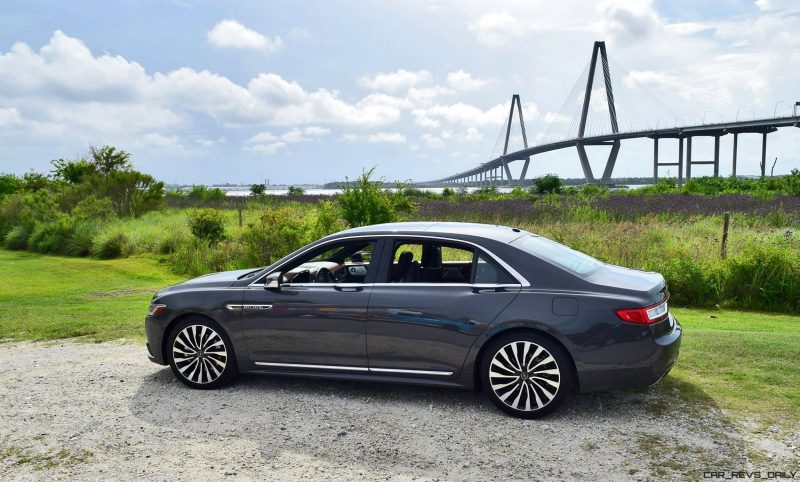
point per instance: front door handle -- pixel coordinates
(348, 288)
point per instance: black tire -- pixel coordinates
(201, 354)
(526, 375)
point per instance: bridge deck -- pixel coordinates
(720, 129)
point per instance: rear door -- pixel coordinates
(427, 308)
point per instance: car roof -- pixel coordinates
(503, 234)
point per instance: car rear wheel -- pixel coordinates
(200, 354)
(526, 375)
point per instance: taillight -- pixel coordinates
(647, 315)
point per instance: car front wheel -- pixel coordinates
(200, 354)
(526, 375)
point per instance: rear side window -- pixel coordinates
(557, 254)
(488, 273)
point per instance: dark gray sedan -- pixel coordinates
(524, 318)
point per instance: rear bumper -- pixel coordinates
(640, 357)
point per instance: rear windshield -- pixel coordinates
(557, 254)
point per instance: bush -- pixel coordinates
(111, 246)
(296, 191)
(81, 241)
(328, 221)
(277, 233)
(94, 209)
(52, 237)
(196, 257)
(204, 193)
(17, 238)
(258, 190)
(764, 276)
(363, 202)
(27, 208)
(207, 225)
(9, 184)
(547, 184)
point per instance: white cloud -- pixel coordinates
(463, 81)
(465, 114)
(433, 142)
(316, 131)
(497, 28)
(262, 137)
(395, 81)
(232, 34)
(266, 148)
(388, 137)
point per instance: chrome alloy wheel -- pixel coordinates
(199, 354)
(524, 375)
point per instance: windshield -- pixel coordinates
(557, 254)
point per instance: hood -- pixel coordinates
(647, 283)
(221, 277)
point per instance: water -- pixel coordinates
(244, 191)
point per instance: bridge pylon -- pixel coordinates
(599, 48)
(515, 103)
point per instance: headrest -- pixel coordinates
(432, 256)
(405, 258)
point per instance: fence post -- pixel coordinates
(240, 217)
(726, 219)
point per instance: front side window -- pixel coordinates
(345, 262)
(567, 258)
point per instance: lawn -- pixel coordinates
(46, 297)
(744, 362)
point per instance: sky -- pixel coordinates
(316, 91)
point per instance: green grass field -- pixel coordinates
(743, 362)
(46, 297)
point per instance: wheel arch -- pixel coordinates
(476, 372)
(183, 316)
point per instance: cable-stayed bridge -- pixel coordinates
(598, 119)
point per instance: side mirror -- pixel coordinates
(273, 281)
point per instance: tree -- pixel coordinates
(547, 184)
(108, 159)
(258, 189)
(72, 172)
(296, 191)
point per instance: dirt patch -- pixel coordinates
(102, 411)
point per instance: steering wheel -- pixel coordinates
(324, 275)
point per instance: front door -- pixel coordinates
(435, 298)
(316, 319)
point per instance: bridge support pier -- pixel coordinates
(688, 158)
(735, 150)
(716, 156)
(763, 155)
(680, 161)
(655, 160)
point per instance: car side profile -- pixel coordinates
(475, 306)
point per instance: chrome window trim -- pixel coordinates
(355, 369)
(522, 281)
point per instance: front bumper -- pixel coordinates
(154, 328)
(639, 356)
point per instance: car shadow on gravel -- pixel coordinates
(671, 428)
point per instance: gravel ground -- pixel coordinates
(102, 411)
